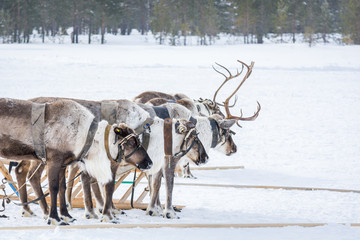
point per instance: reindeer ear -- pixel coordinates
(190, 125)
(226, 123)
(119, 131)
(180, 128)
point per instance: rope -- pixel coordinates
(7, 198)
(132, 190)
(268, 187)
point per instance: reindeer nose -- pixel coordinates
(146, 164)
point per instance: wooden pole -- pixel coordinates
(268, 187)
(185, 225)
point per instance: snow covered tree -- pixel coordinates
(350, 21)
(325, 20)
(282, 18)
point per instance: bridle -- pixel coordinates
(219, 135)
(183, 150)
(121, 145)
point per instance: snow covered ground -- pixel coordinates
(307, 133)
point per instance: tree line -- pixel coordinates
(175, 20)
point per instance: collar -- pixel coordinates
(121, 154)
(106, 142)
(161, 111)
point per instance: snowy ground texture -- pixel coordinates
(307, 133)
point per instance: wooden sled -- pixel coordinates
(122, 193)
(123, 202)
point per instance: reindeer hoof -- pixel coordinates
(177, 209)
(27, 213)
(117, 211)
(100, 210)
(170, 215)
(68, 219)
(68, 206)
(52, 221)
(91, 215)
(152, 212)
(108, 219)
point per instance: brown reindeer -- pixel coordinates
(64, 134)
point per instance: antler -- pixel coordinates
(226, 79)
(226, 103)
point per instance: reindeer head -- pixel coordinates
(190, 146)
(222, 135)
(130, 148)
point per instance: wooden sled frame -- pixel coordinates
(77, 199)
(77, 196)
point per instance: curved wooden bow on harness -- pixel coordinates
(121, 153)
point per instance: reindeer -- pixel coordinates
(61, 139)
(130, 113)
(208, 108)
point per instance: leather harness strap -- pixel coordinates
(37, 130)
(144, 129)
(89, 139)
(161, 112)
(168, 137)
(215, 133)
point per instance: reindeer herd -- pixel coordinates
(157, 133)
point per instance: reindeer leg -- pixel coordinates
(35, 182)
(54, 167)
(21, 172)
(187, 172)
(179, 171)
(109, 190)
(154, 207)
(89, 207)
(168, 169)
(98, 195)
(62, 201)
(70, 185)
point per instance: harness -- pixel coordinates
(121, 153)
(89, 140)
(37, 130)
(145, 130)
(168, 140)
(217, 132)
(162, 112)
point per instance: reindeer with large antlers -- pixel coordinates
(205, 107)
